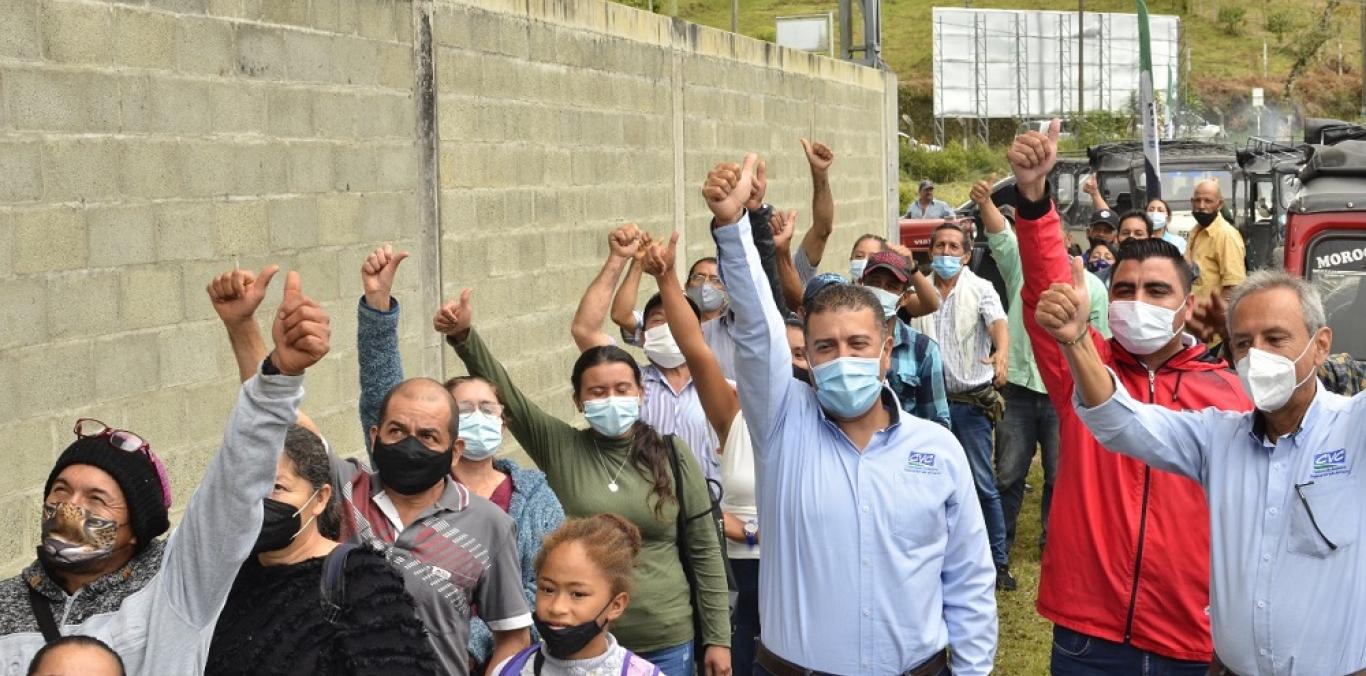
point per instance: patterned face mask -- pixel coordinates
(74, 538)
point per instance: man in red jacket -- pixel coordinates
(1126, 571)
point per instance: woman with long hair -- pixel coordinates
(622, 465)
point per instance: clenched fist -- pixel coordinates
(302, 330)
(453, 319)
(236, 295)
(377, 275)
(728, 188)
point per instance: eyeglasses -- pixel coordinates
(89, 428)
(489, 408)
(700, 278)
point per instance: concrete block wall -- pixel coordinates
(146, 146)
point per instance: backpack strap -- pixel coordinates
(42, 612)
(333, 583)
(515, 664)
(635, 665)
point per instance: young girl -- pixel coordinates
(583, 584)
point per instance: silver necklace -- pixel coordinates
(612, 485)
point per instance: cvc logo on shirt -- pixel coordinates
(1329, 463)
(922, 463)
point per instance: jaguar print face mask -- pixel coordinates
(74, 539)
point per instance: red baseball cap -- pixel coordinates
(890, 261)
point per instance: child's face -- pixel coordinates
(571, 590)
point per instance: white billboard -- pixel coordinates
(807, 32)
(992, 63)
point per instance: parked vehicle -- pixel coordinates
(1191, 125)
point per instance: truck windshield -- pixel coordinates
(1337, 266)
(1178, 184)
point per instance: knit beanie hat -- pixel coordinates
(141, 477)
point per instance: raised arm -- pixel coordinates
(380, 364)
(235, 296)
(204, 553)
(783, 225)
(819, 157)
(718, 397)
(624, 302)
(925, 300)
(533, 428)
(1097, 200)
(763, 363)
(587, 326)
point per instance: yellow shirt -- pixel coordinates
(1218, 250)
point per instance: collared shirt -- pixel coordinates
(680, 412)
(1218, 250)
(917, 375)
(1021, 368)
(956, 378)
(874, 560)
(459, 553)
(937, 209)
(1287, 524)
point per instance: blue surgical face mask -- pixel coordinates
(848, 386)
(947, 266)
(612, 416)
(1159, 220)
(483, 434)
(888, 300)
(856, 266)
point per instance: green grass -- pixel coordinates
(1026, 638)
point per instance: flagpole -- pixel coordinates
(1152, 164)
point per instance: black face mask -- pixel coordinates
(1204, 218)
(408, 467)
(561, 643)
(279, 524)
(801, 374)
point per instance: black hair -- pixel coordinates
(1166, 206)
(1086, 257)
(656, 301)
(846, 297)
(307, 453)
(934, 236)
(73, 640)
(455, 408)
(649, 453)
(705, 259)
(1147, 220)
(1142, 249)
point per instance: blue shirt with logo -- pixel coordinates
(876, 559)
(1288, 572)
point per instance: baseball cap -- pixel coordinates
(890, 261)
(818, 283)
(1105, 217)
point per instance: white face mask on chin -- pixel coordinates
(1269, 379)
(1141, 328)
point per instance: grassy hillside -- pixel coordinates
(1225, 53)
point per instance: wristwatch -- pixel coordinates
(268, 367)
(751, 529)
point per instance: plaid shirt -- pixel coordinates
(917, 375)
(1342, 374)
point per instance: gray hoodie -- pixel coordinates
(165, 627)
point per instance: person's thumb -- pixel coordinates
(1078, 273)
(1054, 128)
(465, 297)
(747, 170)
(991, 181)
(263, 280)
(761, 171)
(398, 258)
(293, 285)
(673, 243)
(806, 145)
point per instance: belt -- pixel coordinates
(780, 667)
(1217, 668)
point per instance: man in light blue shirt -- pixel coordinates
(927, 206)
(875, 556)
(1286, 484)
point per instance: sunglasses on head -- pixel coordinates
(89, 428)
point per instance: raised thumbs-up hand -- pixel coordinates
(377, 275)
(453, 318)
(728, 187)
(236, 295)
(1065, 309)
(302, 331)
(1032, 157)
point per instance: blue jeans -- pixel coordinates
(1030, 423)
(1076, 654)
(675, 661)
(973, 429)
(745, 621)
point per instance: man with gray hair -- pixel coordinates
(1286, 483)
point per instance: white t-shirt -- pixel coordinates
(737, 480)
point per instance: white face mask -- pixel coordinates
(1140, 328)
(856, 266)
(1269, 379)
(661, 349)
(888, 300)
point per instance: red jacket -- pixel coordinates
(1127, 559)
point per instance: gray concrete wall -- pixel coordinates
(145, 147)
